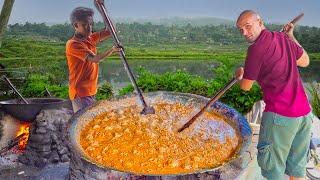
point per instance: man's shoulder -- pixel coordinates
(72, 40)
(265, 40)
(71, 43)
(271, 36)
(256, 47)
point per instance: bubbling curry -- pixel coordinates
(125, 140)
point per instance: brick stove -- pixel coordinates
(47, 142)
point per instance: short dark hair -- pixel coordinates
(80, 14)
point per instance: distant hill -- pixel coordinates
(180, 21)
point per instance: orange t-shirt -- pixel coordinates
(83, 74)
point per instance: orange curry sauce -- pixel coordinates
(150, 144)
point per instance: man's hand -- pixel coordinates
(99, 57)
(288, 29)
(245, 84)
(115, 49)
(239, 73)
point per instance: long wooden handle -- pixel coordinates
(117, 43)
(213, 100)
(294, 20)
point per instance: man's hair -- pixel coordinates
(80, 14)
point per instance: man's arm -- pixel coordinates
(99, 57)
(245, 84)
(303, 61)
(104, 34)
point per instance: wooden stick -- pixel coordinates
(294, 20)
(213, 100)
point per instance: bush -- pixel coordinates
(242, 100)
(59, 91)
(104, 91)
(315, 98)
(183, 82)
(126, 90)
(36, 84)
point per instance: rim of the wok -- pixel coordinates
(14, 101)
(76, 147)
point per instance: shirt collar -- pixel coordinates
(260, 35)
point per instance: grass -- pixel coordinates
(41, 55)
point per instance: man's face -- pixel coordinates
(84, 27)
(250, 26)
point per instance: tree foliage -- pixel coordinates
(150, 34)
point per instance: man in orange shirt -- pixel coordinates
(82, 58)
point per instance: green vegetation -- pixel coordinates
(104, 91)
(183, 82)
(150, 35)
(36, 84)
(36, 52)
(315, 98)
(314, 56)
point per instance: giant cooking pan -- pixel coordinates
(28, 112)
(236, 120)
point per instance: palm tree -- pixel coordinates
(4, 17)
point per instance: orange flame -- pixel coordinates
(24, 132)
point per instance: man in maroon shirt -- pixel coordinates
(272, 60)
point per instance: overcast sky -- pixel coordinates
(275, 11)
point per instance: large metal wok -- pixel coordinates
(236, 120)
(28, 112)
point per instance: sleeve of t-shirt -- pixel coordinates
(297, 50)
(95, 38)
(252, 65)
(77, 50)
(104, 34)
